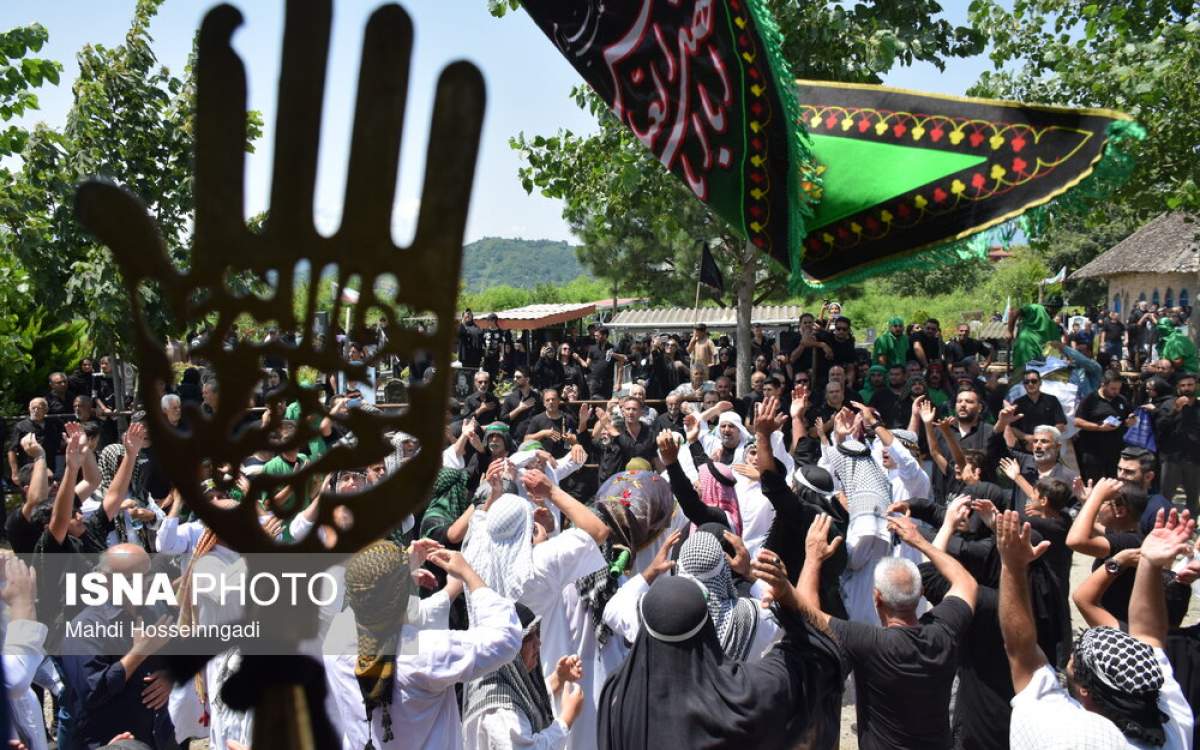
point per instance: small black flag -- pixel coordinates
(710, 274)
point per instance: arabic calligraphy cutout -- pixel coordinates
(891, 175)
(426, 273)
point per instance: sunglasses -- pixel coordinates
(1032, 381)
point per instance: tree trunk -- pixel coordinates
(745, 306)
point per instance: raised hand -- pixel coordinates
(568, 669)
(903, 527)
(691, 423)
(668, 447)
(1169, 538)
(800, 401)
(662, 562)
(739, 562)
(1012, 469)
(31, 446)
(1012, 541)
(769, 569)
(986, 510)
(135, 438)
(536, 483)
(927, 410)
(20, 588)
(419, 552)
(816, 542)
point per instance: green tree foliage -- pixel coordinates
(131, 122)
(493, 261)
(19, 73)
(1136, 56)
(503, 297)
(938, 280)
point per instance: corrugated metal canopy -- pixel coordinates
(713, 317)
(538, 316)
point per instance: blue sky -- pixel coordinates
(527, 84)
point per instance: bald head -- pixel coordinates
(125, 559)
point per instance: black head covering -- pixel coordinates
(764, 705)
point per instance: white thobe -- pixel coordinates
(598, 661)
(506, 729)
(424, 709)
(24, 650)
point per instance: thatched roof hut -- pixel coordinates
(1159, 263)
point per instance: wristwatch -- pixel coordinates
(1113, 567)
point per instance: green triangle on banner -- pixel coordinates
(860, 174)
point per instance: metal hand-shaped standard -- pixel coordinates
(427, 272)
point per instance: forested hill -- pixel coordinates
(492, 261)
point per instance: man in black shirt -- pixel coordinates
(814, 353)
(1178, 433)
(552, 427)
(46, 432)
(1037, 408)
(904, 667)
(672, 417)
(926, 346)
(1112, 340)
(470, 341)
(1102, 418)
(26, 521)
(520, 405)
(633, 440)
(125, 693)
(58, 397)
(1118, 507)
(600, 363)
(842, 343)
(963, 346)
(497, 346)
(482, 404)
(761, 343)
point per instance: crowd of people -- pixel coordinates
(620, 551)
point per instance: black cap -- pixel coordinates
(673, 610)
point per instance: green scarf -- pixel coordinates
(890, 346)
(868, 391)
(1036, 329)
(450, 500)
(1175, 345)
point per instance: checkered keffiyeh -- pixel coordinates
(1119, 660)
(501, 549)
(701, 557)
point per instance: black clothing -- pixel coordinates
(520, 424)
(689, 500)
(666, 422)
(932, 345)
(546, 372)
(766, 348)
(1178, 432)
(624, 447)
(794, 513)
(470, 344)
(1046, 410)
(477, 399)
(843, 351)
(563, 423)
(903, 675)
(982, 710)
(22, 533)
(48, 435)
(600, 370)
(497, 343)
(1114, 336)
(1116, 598)
(1183, 651)
(1100, 451)
(957, 351)
(764, 705)
(885, 402)
(111, 701)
